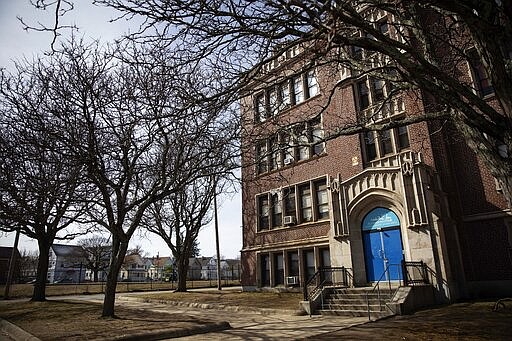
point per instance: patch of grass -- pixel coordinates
(58, 320)
(272, 300)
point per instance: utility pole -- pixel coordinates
(219, 281)
(11, 264)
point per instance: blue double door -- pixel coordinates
(382, 245)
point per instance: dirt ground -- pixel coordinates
(57, 320)
(460, 321)
(270, 300)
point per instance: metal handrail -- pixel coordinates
(325, 276)
(408, 280)
(377, 287)
(421, 269)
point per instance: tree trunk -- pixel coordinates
(118, 253)
(95, 274)
(182, 263)
(39, 294)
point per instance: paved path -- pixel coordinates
(245, 325)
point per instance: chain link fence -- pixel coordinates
(75, 281)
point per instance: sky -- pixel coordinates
(93, 23)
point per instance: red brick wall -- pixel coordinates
(485, 253)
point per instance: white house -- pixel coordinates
(66, 264)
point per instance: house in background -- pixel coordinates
(133, 269)
(66, 264)
(232, 269)
(229, 268)
(5, 259)
(207, 267)
(195, 267)
(160, 268)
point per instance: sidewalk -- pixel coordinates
(255, 325)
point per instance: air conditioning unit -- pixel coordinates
(288, 161)
(292, 280)
(289, 219)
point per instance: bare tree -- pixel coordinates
(39, 184)
(96, 254)
(131, 120)
(424, 48)
(137, 250)
(27, 265)
(178, 220)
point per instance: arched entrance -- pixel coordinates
(382, 243)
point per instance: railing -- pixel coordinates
(412, 273)
(415, 273)
(327, 276)
(377, 287)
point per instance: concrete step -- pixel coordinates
(349, 301)
(373, 315)
(360, 296)
(353, 302)
(356, 307)
(362, 291)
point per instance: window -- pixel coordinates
(481, 79)
(293, 263)
(325, 259)
(272, 102)
(318, 140)
(386, 147)
(369, 146)
(309, 264)
(306, 211)
(303, 141)
(377, 144)
(288, 147)
(378, 89)
(279, 97)
(357, 52)
(277, 211)
(275, 158)
(403, 138)
(284, 91)
(312, 84)
(311, 197)
(265, 270)
(298, 90)
(298, 143)
(261, 157)
(279, 269)
(363, 95)
(322, 201)
(383, 27)
(370, 91)
(263, 212)
(261, 113)
(289, 202)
